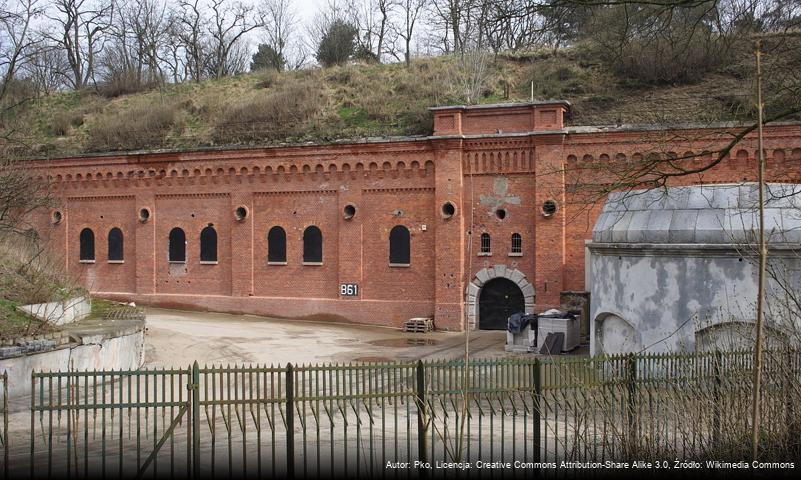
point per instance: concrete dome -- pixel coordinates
(703, 214)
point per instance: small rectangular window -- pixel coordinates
(517, 243)
(486, 246)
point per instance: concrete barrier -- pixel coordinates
(119, 346)
(60, 313)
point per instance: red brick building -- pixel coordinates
(483, 217)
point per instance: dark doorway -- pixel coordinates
(499, 299)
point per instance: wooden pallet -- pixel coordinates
(418, 325)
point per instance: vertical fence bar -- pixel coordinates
(422, 416)
(716, 397)
(194, 399)
(5, 424)
(33, 422)
(290, 421)
(535, 414)
(631, 386)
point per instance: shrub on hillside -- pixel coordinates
(145, 125)
(123, 82)
(266, 57)
(61, 122)
(655, 46)
(338, 44)
(270, 116)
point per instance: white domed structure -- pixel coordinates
(675, 269)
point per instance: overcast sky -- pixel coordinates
(306, 9)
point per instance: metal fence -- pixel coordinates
(4, 414)
(355, 419)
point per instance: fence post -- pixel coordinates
(422, 417)
(5, 423)
(631, 386)
(793, 440)
(195, 400)
(33, 423)
(290, 421)
(537, 413)
(716, 397)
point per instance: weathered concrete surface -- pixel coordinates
(96, 345)
(688, 275)
(60, 313)
(676, 270)
(177, 338)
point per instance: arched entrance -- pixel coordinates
(499, 298)
(483, 277)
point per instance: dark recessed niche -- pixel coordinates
(144, 215)
(349, 211)
(241, 213)
(500, 213)
(56, 217)
(548, 208)
(448, 210)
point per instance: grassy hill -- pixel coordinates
(361, 100)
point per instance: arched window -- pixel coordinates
(399, 246)
(276, 245)
(208, 244)
(177, 248)
(312, 245)
(517, 243)
(115, 245)
(486, 246)
(87, 245)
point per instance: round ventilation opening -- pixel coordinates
(500, 213)
(144, 215)
(241, 213)
(548, 208)
(448, 210)
(349, 212)
(57, 217)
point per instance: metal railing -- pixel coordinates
(354, 420)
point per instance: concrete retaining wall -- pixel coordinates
(60, 313)
(124, 352)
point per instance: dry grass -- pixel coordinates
(365, 100)
(146, 124)
(272, 115)
(64, 121)
(29, 275)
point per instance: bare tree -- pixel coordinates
(174, 54)
(279, 21)
(191, 36)
(20, 194)
(78, 28)
(511, 26)
(411, 11)
(373, 22)
(17, 41)
(137, 41)
(230, 22)
(46, 69)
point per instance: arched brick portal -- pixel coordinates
(485, 275)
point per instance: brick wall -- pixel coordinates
(405, 182)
